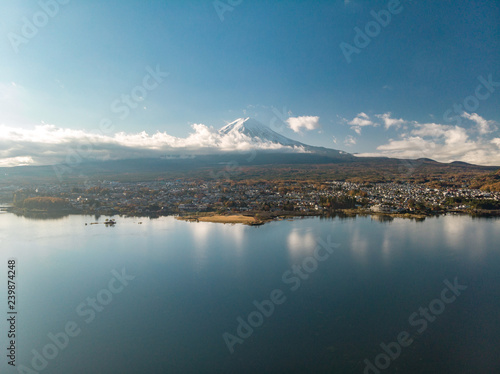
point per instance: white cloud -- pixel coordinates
(390, 122)
(349, 140)
(431, 129)
(48, 144)
(361, 120)
(306, 122)
(444, 143)
(16, 161)
(410, 147)
(483, 126)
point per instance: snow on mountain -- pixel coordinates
(261, 134)
(257, 132)
(48, 144)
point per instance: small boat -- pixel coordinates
(110, 222)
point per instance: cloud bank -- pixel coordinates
(47, 144)
(476, 144)
(476, 141)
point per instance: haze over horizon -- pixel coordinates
(127, 79)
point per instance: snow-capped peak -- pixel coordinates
(260, 135)
(254, 129)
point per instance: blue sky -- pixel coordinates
(267, 59)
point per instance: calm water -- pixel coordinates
(193, 280)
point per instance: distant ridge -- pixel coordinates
(274, 155)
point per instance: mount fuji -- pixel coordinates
(259, 134)
(257, 131)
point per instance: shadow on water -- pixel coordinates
(342, 216)
(43, 215)
(382, 218)
(338, 215)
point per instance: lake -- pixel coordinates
(342, 295)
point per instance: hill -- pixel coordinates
(489, 182)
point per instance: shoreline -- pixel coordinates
(256, 219)
(261, 218)
(219, 218)
(247, 218)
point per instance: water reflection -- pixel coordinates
(360, 244)
(382, 218)
(43, 215)
(194, 279)
(387, 245)
(301, 242)
(340, 215)
(204, 234)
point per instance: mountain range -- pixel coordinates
(266, 154)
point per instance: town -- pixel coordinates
(188, 197)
